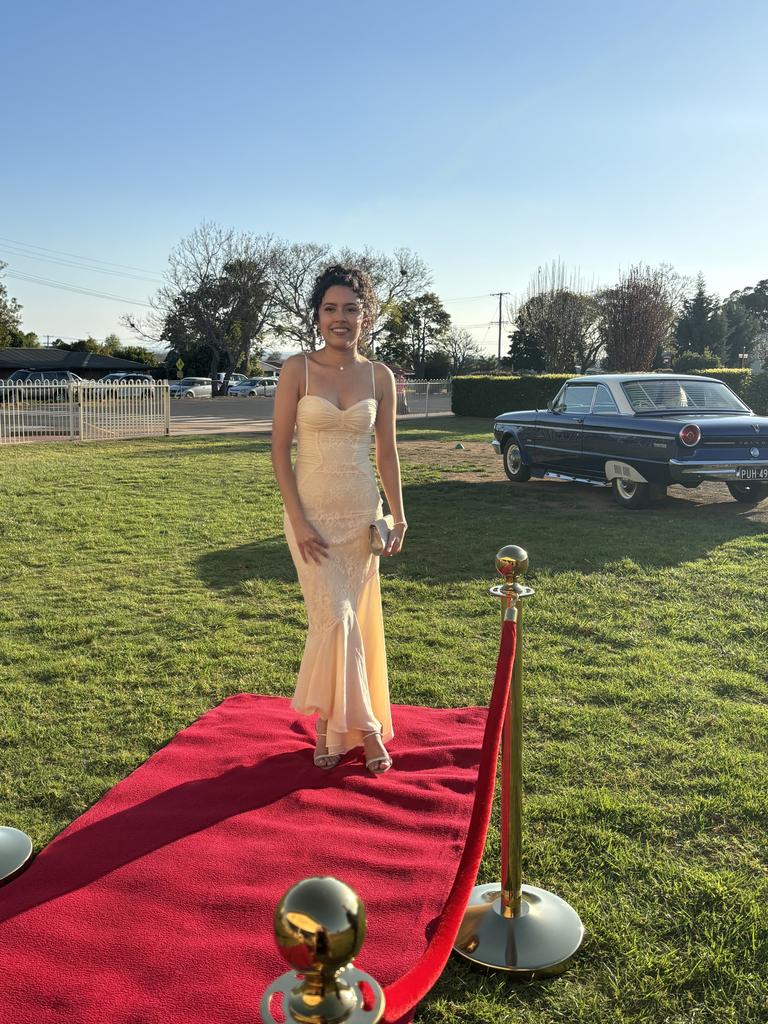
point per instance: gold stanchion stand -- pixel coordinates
(15, 851)
(319, 928)
(514, 927)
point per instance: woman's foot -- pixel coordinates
(377, 760)
(322, 758)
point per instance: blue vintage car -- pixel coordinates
(638, 433)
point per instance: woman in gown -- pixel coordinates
(335, 398)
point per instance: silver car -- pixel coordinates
(191, 387)
(254, 386)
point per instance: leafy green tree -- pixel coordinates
(10, 317)
(419, 323)
(395, 352)
(437, 365)
(525, 352)
(755, 300)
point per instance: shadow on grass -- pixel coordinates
(229, 568)
(456, 527)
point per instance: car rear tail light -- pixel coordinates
(690, 435)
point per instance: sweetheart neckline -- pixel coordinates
(338, 407)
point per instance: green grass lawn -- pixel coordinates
(143, 582)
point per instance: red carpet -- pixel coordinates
(155, 907)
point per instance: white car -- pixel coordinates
(191, 387)
(254, 386)
(234, 378)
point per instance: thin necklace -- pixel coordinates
(340, 367)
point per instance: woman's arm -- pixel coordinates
(283, 422)
(387, 460)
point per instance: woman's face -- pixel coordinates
(340, 317)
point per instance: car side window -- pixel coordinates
(577, 398)
(604, 403)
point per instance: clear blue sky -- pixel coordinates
(489, 139)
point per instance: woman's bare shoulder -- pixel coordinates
(382, 372)
(293, 364)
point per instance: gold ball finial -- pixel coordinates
(320, 925)
(511, 562)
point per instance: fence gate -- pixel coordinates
(83, 411)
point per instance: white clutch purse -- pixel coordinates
(379, 533)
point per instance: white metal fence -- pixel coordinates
(83, 411)
(423, 397)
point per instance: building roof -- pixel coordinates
(61, 359)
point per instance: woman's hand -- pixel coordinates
(310, 543)
(395, 540)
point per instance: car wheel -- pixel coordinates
(750, 494)
(189, 394)
(251, 394)
(514, 466)
(631, 493)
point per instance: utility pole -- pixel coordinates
(499, 295)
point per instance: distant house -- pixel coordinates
(84, 364)
(271, 368)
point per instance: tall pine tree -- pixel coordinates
(701, 324)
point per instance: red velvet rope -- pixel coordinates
(402, 995)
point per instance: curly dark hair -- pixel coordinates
(349, 277)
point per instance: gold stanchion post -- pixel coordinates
(319, 928)
(15, 852)
(518, 928)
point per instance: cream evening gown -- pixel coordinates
(343, 674)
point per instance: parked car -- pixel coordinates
(191, 387)
(45, 385)
(234, 378)
(254, 386)
(126, 378)
(639, 433)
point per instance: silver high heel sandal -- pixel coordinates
(326, 761)
(382, 760)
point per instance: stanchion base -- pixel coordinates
(331, 1009)
(15, 851)
(539, 942)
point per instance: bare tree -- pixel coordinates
(558, 318)
(460, 347)
(636, 316)
(217, 294)
(396, 278)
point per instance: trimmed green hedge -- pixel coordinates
(483, 395)
(736, 379)
(489, 396)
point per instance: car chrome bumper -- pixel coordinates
(496, 447)
(714, 470)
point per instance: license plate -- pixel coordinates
(752, 473)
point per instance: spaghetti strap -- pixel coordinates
(373, 380)
(306, 375)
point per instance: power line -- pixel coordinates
(89, 259)
(62, 286)
(78, 266)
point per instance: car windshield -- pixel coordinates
(675, 395)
